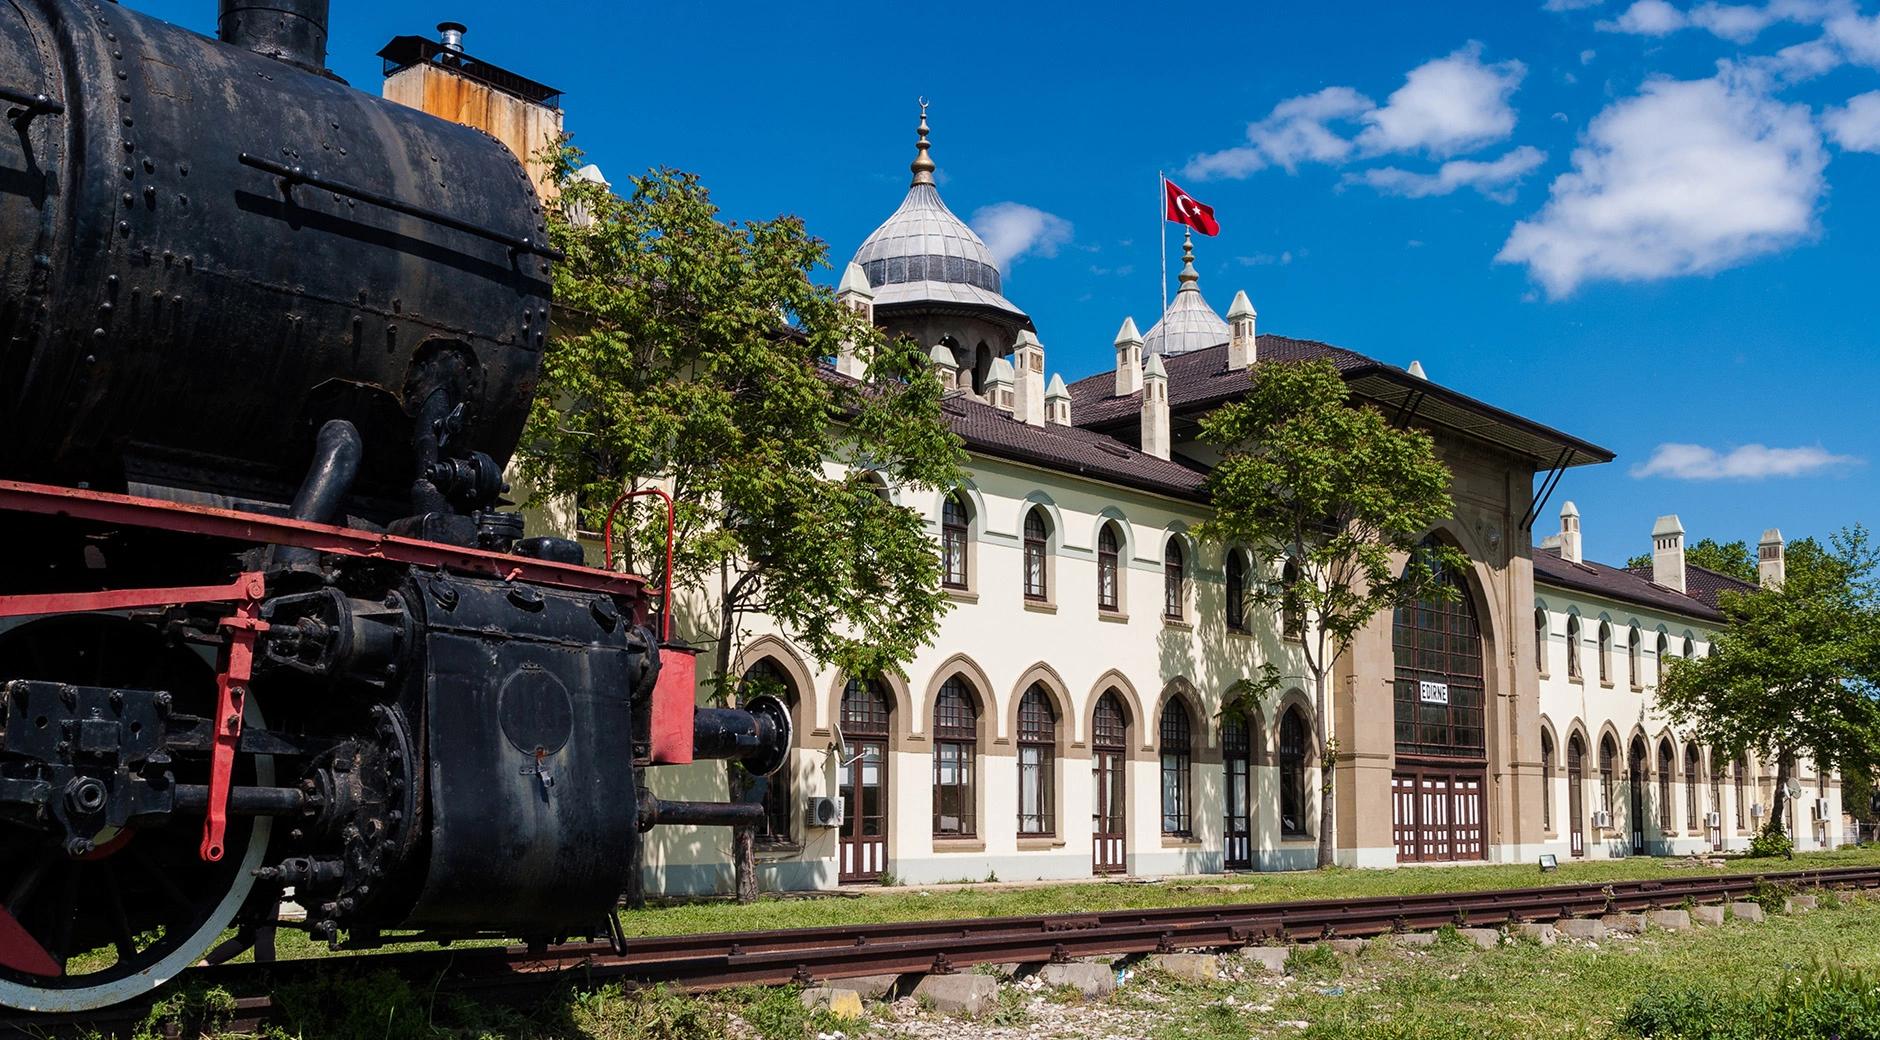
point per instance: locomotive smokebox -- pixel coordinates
(291, 30)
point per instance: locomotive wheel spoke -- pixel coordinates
(120, 924)
(29, 882)
(158, 873)
(65, 916)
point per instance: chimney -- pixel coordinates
(1416, 369)
(1570, 533)
(855, 295)
(1057, 402)
(1668, 553)
(1242, 348)
(1771, 565)
(999, 384)
(945, 367)
(1128, 359)
(1155, 408)
(1028, 386)
(293, 31)
(450, 34)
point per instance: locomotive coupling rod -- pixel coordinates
(299, 175)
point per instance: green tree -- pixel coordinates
(1732, 558)
(1796, 668)
(688, 354)
(1307, 476)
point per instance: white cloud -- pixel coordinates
(1856, 125)
(1295, 131)
(1740, 23)
(1587, 56)
(1857, 37)
(1013, 230)
(1495, 178)
(1647, 18)
(1570, 5)
(1446, 106)
(1748, 462)
(1687, 177)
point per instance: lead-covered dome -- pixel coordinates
(924, 254)
(1188, 324)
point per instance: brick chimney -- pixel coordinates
(1155, 408)
(1668, 553)
(1570, 533)
(1057, 402)
(1771, 565)
(1028, 380)
(1128, 359)
(1242, 348)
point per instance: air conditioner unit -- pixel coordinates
(1602, 818)
(823, 812)
(1713, 820)
(1821, 808)
(1755, 809)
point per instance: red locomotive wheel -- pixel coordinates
(97, 929)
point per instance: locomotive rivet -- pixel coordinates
(124, 227)
(182, 200)
(105, 307)
(128, 121)
(150, 165)
(111, 37)
(129, 199)
(119, 55)
(123, 75)
(150, 194)
(128, 172)
(130, 146)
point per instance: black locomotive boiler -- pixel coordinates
(266, 627)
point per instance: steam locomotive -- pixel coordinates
(266, 627)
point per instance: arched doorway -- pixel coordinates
(1237, 756)
(1636, 763)
(1576, 794)
(863, 782)
(1442, 760)
(1109, 759)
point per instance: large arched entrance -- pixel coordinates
(1442, 760)
(863, 782)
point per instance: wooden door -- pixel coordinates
(1576, 796)
(1635, 776)
(1437, 815)
(865, 817)
(1109, 759)
(1237, 849)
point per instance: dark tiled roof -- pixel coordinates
(1634, 586)
(1201, 380)
(989, 431)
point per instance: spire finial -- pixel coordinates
(1189, 276)
(923, 163)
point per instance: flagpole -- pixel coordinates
(1161, 193)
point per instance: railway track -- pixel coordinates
(706, 961)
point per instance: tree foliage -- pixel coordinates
(1306, 475)
(1735, 559)
(686, 353)
(1796, 668)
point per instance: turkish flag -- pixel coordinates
(1183, 209)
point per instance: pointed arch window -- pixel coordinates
(1547, 781)
(1177, 761)
(1037, 763)
(1608, 764)
(1292, 774)
(1690, 788)
(1540, 640)
(1739, 778)
(1667, 763)
(1573, 646)
(955, 746)
(1037, 553)
(1717, 769)
(1690, 648)
(1631, 658)
(766, 676)
(1664, 651)
(1172, 580)
(955, 521)
(1291, 611)
(1236, 590)
(1109, 569)
(1605, 653)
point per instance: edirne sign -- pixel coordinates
(1434, 692)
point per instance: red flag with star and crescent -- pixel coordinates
(1183, 208)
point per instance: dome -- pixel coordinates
(1189, 324)
(924, 254)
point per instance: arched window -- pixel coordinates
(1177, 756)
(1739, 777)
(1292, 774)
(1547, 781)
(1717, 769)
(1037, 552)
(1037, 763)
(1236, 590)
(1690, 648)
(1605, 653)
(1690, 788)
(955, 743)
(1608, 764)
(954, 519)
(1109, 569)
(1573, 646)
(1292, 613)
(1667, 763)
(1540, 640)
(766, 676)
(1172, 580)
(1631, 658)
(1664, 651)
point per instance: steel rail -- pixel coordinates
(708, 961)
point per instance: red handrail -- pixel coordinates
(607, 552)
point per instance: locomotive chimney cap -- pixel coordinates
(450, 34)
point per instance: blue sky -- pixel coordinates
(1651, 224)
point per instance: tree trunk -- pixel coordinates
(743, 839)
(1327, 772)
(1781, 798)
(744, 848)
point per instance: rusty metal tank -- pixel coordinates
(209, 248)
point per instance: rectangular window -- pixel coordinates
(1175, 815)
(953, 553)
(1034, 791)
(952, 789)
(1034, 570)
(1106, 583)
